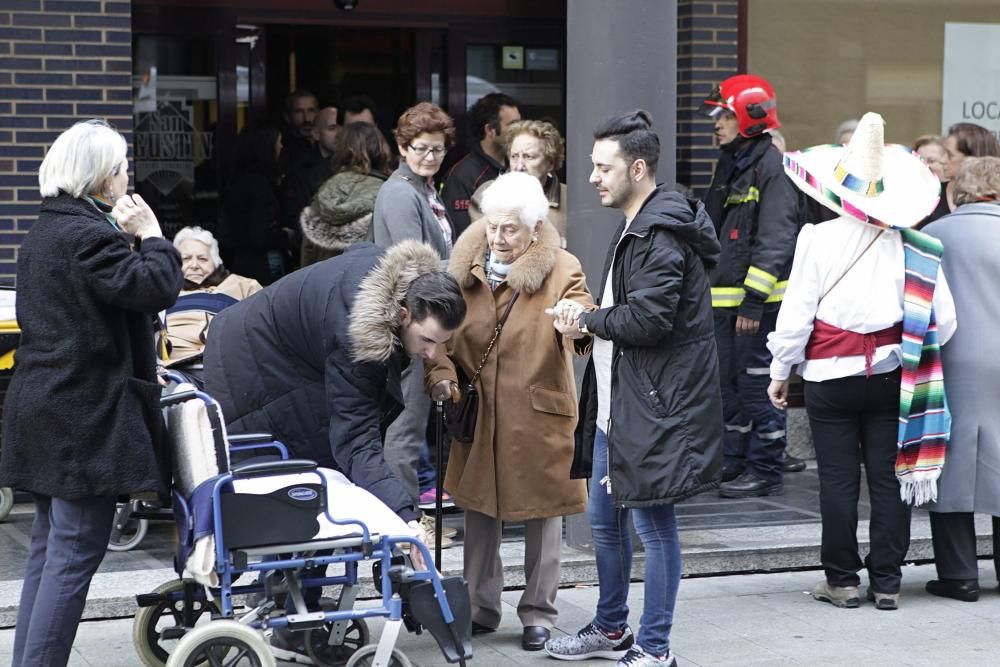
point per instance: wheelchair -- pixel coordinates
(279, 521)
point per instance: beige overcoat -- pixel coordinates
(518, 467)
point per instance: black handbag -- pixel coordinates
(460, 417)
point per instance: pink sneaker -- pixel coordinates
(429, 497)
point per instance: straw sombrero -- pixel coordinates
(867, 180)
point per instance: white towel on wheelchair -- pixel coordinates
(200, 453)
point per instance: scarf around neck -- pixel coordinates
(924, 417)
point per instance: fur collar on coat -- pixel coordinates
(528, 271)
(374, 320)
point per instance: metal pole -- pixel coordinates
(439, 473)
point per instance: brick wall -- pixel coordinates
(60, 61)
(707, 53)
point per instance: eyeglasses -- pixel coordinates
(436, 152)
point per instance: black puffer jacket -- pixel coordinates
(315, 360)
(665, 433)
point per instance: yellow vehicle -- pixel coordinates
(10, 334)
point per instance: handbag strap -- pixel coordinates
(848, 269)
(496, 334)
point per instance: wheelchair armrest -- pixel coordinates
(244, 438)
(179, 397)
(282, 467)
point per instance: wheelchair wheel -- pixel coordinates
(325, 654)
(6, 501)
(365, 657)
(149, 622)
(127, 532)
(222, 643)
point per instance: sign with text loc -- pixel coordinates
(971, 82)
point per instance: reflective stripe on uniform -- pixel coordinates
(758, 371)
(730, 297)
(760, 280)
(753, 194)
(773, 435)
(739, 429)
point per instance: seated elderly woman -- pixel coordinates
(510, 261)
(208, 289)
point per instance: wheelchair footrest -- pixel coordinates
(172, 633)
(313, 619)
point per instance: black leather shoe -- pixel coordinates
(534, 638)
(956, 589)
(480, 629)
(793, 464)
(748, 485)
(729, 474)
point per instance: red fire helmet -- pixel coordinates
(748, 96)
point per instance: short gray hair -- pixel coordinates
(517, 192)
(202, 236)
(82, 159)
(848, 125)
(978, 179)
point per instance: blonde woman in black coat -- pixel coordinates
(81, 422)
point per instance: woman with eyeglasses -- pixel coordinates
(408, 207)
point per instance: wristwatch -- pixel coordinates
(581, 325)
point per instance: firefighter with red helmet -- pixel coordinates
(755, 210)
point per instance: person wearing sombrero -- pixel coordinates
(866, 311)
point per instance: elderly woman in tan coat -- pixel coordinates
(517, 468)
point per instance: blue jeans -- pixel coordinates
(426, 474)
(657, 528)
(68, 541)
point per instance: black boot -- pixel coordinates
(749, 485)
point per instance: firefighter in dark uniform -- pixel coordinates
(755, 210)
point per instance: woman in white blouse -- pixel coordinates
(841, 323)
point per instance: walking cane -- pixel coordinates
(439, 472)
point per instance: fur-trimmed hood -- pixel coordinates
(374, 318)
(528, 271)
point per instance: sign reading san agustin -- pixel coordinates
(168, 135)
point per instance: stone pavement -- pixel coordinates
(717, 536)
(762, 619)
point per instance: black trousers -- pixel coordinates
(755, 429)
(855, 419)
(954, 538)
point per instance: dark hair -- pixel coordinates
(436, 293)
(297, 94)
(487, 110)
(358, 103)
(634, 133)
(360, 147)
(424, 118)
(255, 150)
(974, 140)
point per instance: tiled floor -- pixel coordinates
(798, 505)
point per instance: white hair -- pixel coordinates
(202, 236)
(848, 125)
(82, 159)
(517, 192)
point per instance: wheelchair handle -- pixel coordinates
(286, 466)
(180, 397)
